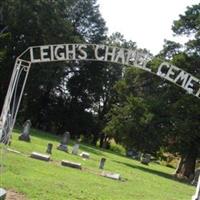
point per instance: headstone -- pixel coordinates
(138, 157)
(197, 194)
(66, 138)
(2, 194)
(64, 142)
(25, 136)
(71, 164)
(49, 148)
(75, 149)
(146, 158)
(102, 163)
(196, 176)
(131, 153)
(85, 155)
(40, 156)
(111, 175)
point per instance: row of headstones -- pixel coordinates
(68, 163)
(64, 148)
(144, 158)
(25, 136)
(44, 157)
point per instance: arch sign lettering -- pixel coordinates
(88, 52)
(136, 58)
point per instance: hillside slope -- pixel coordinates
(40, 180)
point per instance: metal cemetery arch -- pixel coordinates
(88, 52)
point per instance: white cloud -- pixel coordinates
(147, 22)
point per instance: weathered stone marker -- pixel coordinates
(64, 142)
(131, 153)
(75, 149)
(25, 136)
(2, 194)
(111, 175)
(102, 163)
(40, 156)
(138, 157)
(49, 148)
(71, 164)
(146, 158)
(85, 155)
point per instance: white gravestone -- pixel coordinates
(25, 136)
(71, 164)
(40, 156)
(111, 175)
(64, 142)
(85, 155)
(75, 149)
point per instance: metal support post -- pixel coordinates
(11, 103)
(197, 194)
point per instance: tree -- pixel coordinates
(87, 20)
(185, 135)
(129, 123)
(111, 73)
(132, 121)
(41, 22)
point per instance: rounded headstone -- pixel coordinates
(65, 138)
(25, 136)
(75, 149)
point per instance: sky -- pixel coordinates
(146, 22)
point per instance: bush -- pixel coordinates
(117, 148)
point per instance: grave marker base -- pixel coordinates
(40, 156)
(67, 163)
(111, 175)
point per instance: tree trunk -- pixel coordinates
(102, 136)
(95, 139)
(186, 166)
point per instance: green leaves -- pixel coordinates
(130, 118)
(189, 22)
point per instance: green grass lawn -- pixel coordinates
(50, 181)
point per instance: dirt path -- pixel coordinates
(12, 195)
